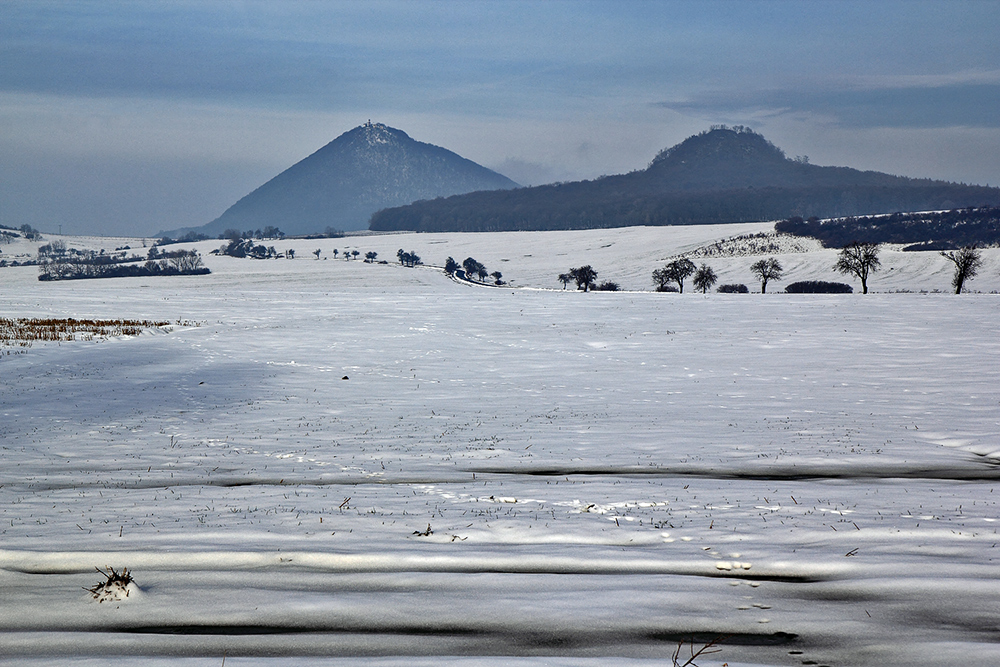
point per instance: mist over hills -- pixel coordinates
(363, 170)
(721, 175)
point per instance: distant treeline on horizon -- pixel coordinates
(935, 230)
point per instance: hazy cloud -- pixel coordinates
(959, 104)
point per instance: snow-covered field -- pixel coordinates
(348, 463)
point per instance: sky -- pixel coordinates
(126, 118)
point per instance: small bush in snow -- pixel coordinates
(818, 287)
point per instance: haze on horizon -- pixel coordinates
(128, 118)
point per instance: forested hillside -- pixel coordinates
(722, 175)
(934, 230)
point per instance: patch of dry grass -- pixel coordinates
(22, 332)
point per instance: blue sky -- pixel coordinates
(131, 117)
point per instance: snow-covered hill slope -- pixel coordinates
(624, 255)
(329, 459)
(363, 170)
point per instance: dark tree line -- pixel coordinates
(190, 237)
(945, 230)
(610, 202)
(179, 263)
(267, 233)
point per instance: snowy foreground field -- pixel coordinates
(331, 462)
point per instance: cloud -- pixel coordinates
(904, 102)
(964, 77)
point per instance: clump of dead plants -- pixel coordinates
(24, 331)
(115, 587)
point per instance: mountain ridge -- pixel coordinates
(720, 175)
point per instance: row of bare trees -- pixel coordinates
(861, 259)
(680, 270)
(177, 263)
(406, 258)
(856, 259)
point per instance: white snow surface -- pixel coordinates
(333, 462)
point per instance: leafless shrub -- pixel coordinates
(111, 589)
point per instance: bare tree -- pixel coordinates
(472, 268)
(565, 279)
(585, 277)
(370, 256)
(766, 270)
(676, 271)
(859, 259)
(662, 280)
(967, 263)
(188, 261)
(496, 275)
(704, 278)
(317, 252)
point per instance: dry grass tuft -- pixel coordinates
(114, 588)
